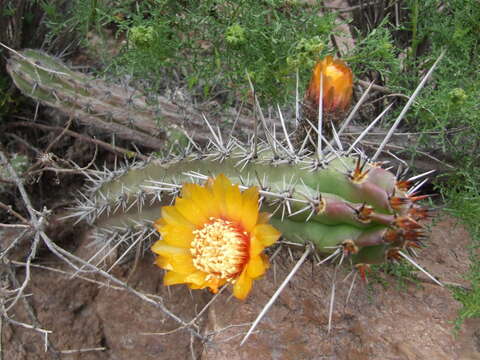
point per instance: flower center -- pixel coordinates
(333, 72)
(220, 248)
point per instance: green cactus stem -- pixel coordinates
(339, 204)
(110, 108)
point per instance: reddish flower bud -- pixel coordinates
(337, 85)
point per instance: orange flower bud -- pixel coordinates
(337, 85)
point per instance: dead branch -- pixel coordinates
(112, 148)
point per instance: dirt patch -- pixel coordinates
(411, 323)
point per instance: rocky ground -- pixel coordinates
(411, 322)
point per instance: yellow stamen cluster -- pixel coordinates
(334, 73)
(219, 249)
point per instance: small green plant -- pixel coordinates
(235, 35)
(141, 35)
(403, 274)
(377, 52)
(307, 51)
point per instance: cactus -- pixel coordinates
(317, 190)
(331, 198)
(128, 113)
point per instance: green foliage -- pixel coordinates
(209, 45)
(470, 299)
(451, 111)
(453, 103)
(307, 52)
(376, 52)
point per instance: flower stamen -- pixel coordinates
(220, 249)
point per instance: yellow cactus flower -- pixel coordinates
(213, 235)
(337, 85)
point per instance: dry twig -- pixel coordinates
(102, 144)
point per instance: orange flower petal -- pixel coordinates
(257, 266)
(163, 263)
(173, 217)
(179, 259)
(263, 218)
(214, 284)
(250, 208)
(202, 198)
(242, 286)
(233, 202)
(256, 246)
(197, 278)
(182, 264)
(190, 211)
(180, 236)
(173, 278)
(337, 85)
(220, 186)
(266, 234)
